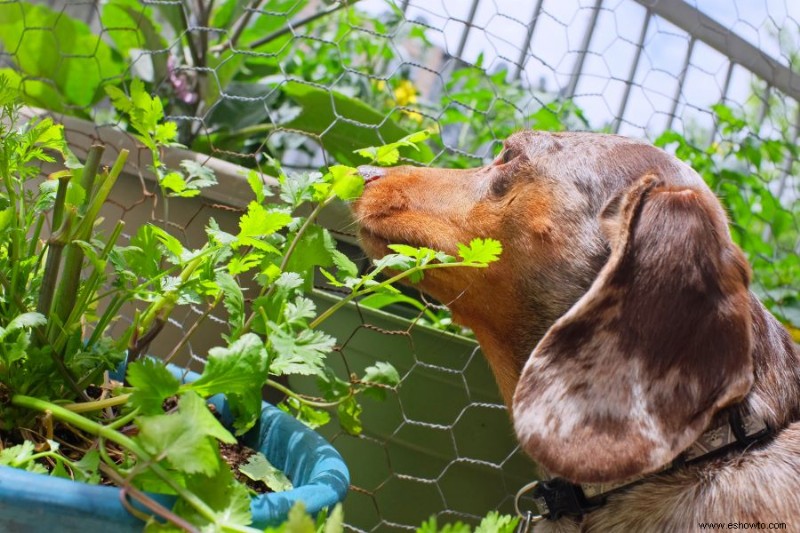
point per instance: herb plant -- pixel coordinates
(60, 294)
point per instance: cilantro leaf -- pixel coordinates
(494, 522)
(19, 456)
(237, 371)
(383, 375)
(186, 438)
(389, 154)
(259, 222)
(152, 384)
(233, 299)
(480, 251)
(303, 352)
(229, 499)
(306, 414)
(347, 182)
(258, 468)
(349, 412)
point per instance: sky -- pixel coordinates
(501, 26)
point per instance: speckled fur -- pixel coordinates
(565, 207)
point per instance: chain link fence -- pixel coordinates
(305, 82)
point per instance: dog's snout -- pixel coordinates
(370, 173)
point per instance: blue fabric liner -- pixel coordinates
(34, 502)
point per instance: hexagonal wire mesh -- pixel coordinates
(307, 81)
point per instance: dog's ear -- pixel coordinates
(631, 375)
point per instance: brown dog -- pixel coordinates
(618, 324)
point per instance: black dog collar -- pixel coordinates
(557, 497)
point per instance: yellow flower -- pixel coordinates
(416, 117)
(405, 93)
(381, 85)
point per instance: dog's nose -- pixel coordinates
(370, 173)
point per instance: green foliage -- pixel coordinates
(46, 362)
(258, 468)
(745, 169)
(60, 49)
(494, 522)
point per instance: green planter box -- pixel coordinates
(443, 444)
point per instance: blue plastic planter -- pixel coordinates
(35, 502)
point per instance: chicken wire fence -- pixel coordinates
(306, 82)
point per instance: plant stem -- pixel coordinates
(289, 392)
(107, 433)
(148, 502)
(356, 292)
(71, 271)
(97, 405)
(292, 26)
(287, 256)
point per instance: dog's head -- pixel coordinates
(617, 268)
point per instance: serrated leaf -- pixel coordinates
(495, 522)
(335, 522)
(349, 412)
(259, 222)
(233, 299)
(382, 374)
(19, 456)
(198, 176)
(347, 182)
(229, 499)
(298, 311)
(152, 383)
(25, 320)
(331, 387)
(297, 521)
(185, 438)
(237, 371)
(258, 468)
(481, 251)
(299, 353)
(257, 185)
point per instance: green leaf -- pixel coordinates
(19, 456)
(152, 383)
(35, 92)
(341, 123)
(349, 412)
(297, 521)
(25, 320)
(258, 468)
(389, 154)
(494, 522)
(310, 416)
(61, 49)
(481, 251)
(87, 469)
(347, 182)
(259, 222)
(198, 176)
(186, 438)
(303, 352)
(431, 526)
(233, 299)
(312, 250)
(131, 26)
(257, 185)
(237, 371)
(229, 499)
(382, 374)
